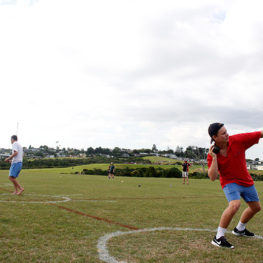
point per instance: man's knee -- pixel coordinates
(256, 208)
(234, 205)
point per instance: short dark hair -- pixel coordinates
(14, 137)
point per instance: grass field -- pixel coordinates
(36, 227)
(154, 159)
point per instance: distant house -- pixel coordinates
(51, 149)
(61, 155)
(144, 154)
(155, 154)
(35, 150)
(50, 156)
(125, 155)
(201, 161)
(82, 155)
(173, 156)
(254, 165)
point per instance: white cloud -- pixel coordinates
(129, 73)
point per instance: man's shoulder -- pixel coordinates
(16, 145)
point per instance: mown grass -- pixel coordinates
(43, 232)
(155, 159)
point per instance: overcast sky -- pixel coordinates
(129, 73)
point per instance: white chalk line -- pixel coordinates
(106, 201)
(65, 199)
(104, 254)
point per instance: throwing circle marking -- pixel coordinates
(65, 199)
(104, 254)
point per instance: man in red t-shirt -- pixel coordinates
(227, 157)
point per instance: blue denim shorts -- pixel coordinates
(15, 169)
(234, 191)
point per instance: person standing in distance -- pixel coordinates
(185, 173)
(109, 171)
(16, 160)
(112, 170)
(227, 157)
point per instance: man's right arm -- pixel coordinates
(213, 169)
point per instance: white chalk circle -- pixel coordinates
(65, 199)
(102, 242)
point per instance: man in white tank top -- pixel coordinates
(16, 160)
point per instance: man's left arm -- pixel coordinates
(248, 139)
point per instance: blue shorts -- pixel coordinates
(15, 169)
(233, 191)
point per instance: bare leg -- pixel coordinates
(184, 181)
(253, 208)
(229, 213)
(16, 188)
(187, 181)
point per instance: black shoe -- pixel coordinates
(244, 233)
(221, 242)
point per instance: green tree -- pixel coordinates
(90, 150)
(98, 150)
(147, 150)
(150, 172)
(173, 173)
(127, 172)
(39, 154)
(116, 150)
(135, 173)
(154, 148)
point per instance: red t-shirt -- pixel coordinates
(233, 168)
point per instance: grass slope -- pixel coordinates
(155, 159)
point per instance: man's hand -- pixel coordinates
(211, 151)
(213, 170)
(7, 160)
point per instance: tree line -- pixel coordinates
(145, 172)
